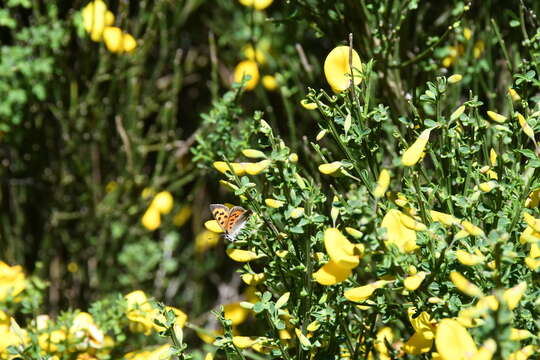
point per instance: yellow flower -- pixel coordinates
(354, 233)
(86, 332)
(257, 4)
(223, 168)
(256, 168)
(457, 113)
(397, 233)
(213, 226)
(382, 183)
(253, 154)
(151, 219)
(236, 313)
(413, 154)
(523, 354)
(527, 129)
(443, 218)
(464, 285)
(331, 274)
(455, 78)
(182, 216)
(532, 222)
(453, 342)
(362, 293)
(487, 186)
(297, 212)
(8, 337)
(254, 55)
(163, 202)
(496, 117)
(269, 82)
(273, 203)
(12, 281)
(340, 250)
(519, 334)
(243, 342)
(118, 41)
(468, 259)
(96, 18)
(205, 240)
(49, 341)
(244, 68)
(253, 279)
(309, 106)
(384, 335)
(161, 353)
(472, 229)
(337, 68)
(139, 311)
(412, 282)
(242, 255)
(331, 168)
(302, 338)
(513, 94)
(513, 295)
(467, 33)
(424, 333)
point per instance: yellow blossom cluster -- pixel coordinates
(98, 21)
(161, 204)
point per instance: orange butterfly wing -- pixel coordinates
(236, 214)
(221, 215)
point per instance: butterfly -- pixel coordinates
(230, 220)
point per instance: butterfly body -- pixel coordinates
(230, 220)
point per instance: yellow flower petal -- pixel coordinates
(472, 229)
(331, 274)
(421, 323)
(523, 354)
(163, 202)
(243, 342)
(253, 279)
(308, 106)
(337, 68)
(457, 113)
(418, 344)
(532, 222)
(223, 168)
(384, 335)
(453, 342)
(340, 250)
(513, 295)
(247, 68)
(96, 18)
(242, 255)
(257, 4)
(273, 203)
(412, 283)
(331, 168)
(118, 41)
(253, 154)
(496, 117)
(464, 285)
(354, 233)
(236, 313)
(486, 351)
(382, 183)
(213, 225)
(513, 94)
(362, 293)
(519, 334)
(151, 219)
(443, 218)
(487, 186)
(413, 154)
(525, 126)
(256, 168)
(269, 82)
(468, 259)
(411, 223)
(302, 338)
(182, 216)
(397, 233)
(455, 78)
